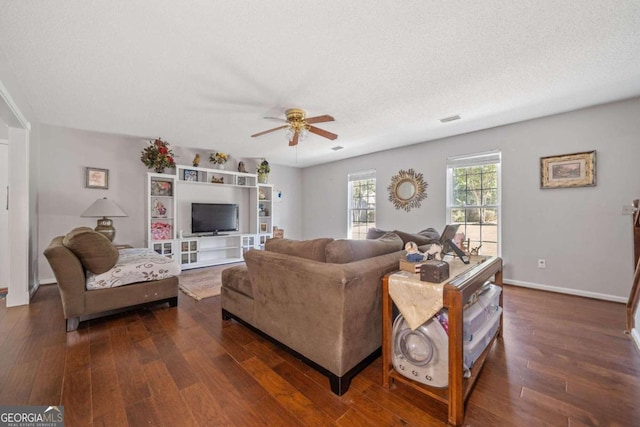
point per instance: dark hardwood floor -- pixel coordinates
(563, 361)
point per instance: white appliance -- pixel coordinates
(423, 354)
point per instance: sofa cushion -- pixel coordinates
(237, 278)
(134, 265)
(95, 251)
(347, 250)
(309, 249)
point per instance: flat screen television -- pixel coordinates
(214, 218)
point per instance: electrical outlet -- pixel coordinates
(542, 263)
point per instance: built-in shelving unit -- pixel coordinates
(161, 211)
(204, 176)
(166, 192)
(265, 213)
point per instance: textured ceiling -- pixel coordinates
(204, 74)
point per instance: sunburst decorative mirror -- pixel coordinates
(407, 189)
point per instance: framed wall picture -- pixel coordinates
(263, 227)
(190, 175)
(96, 178)
(568, 170)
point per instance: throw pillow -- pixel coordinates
(95, 251)
(375, 233)
(309, 249)
(418, 239)
(345, 250)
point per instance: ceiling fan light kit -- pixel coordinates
(298, 126)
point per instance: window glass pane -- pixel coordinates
(362, 206)
(490, 216)
(490, 197)
(489, 180)
(472, 187)
(458, 216)
(487, 248)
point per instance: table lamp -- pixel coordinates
(104, 208)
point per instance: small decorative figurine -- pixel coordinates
(434, 252)
(475, 251)
(413, 254)
(196, 160)
(159, 210)
(241, 167)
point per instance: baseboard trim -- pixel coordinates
(568, 291)
(48, 281)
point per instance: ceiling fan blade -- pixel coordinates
(276, 118)
(323, 133)
(294, 140)
(320, 119)
(267, 131)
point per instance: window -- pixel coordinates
(362, 203)
(473, 199)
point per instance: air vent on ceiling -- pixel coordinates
(337, 147)
(450, 119)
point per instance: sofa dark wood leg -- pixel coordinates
(173, 302)
(225, 315)
(339, 385)
(72, 324)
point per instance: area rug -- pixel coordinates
(204, 282)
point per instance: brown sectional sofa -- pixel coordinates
(84, 249)
(321, 299)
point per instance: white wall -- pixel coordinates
(288, 211)
(580, 232)
(62, 197)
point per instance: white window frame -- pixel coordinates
(477, 159)
(352, 177)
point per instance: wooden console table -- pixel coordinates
(456, 292)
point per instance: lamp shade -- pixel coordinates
(103, 207)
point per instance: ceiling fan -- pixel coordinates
(298, 126)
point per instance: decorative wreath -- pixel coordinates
(412, 179)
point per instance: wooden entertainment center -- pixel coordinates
(168, 227)
(456, 293)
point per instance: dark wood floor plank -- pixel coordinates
(133, 386)
(334, 406)
(205, 408)
(290, 398)
(144, 413)
(274, 414)
(235, 407)
(47, 387)
(76, 398)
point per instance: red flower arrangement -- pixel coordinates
(157, 155)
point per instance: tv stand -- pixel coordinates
(209, 249)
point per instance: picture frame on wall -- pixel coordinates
(568, 170)
(96, 178)
(190, 175)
